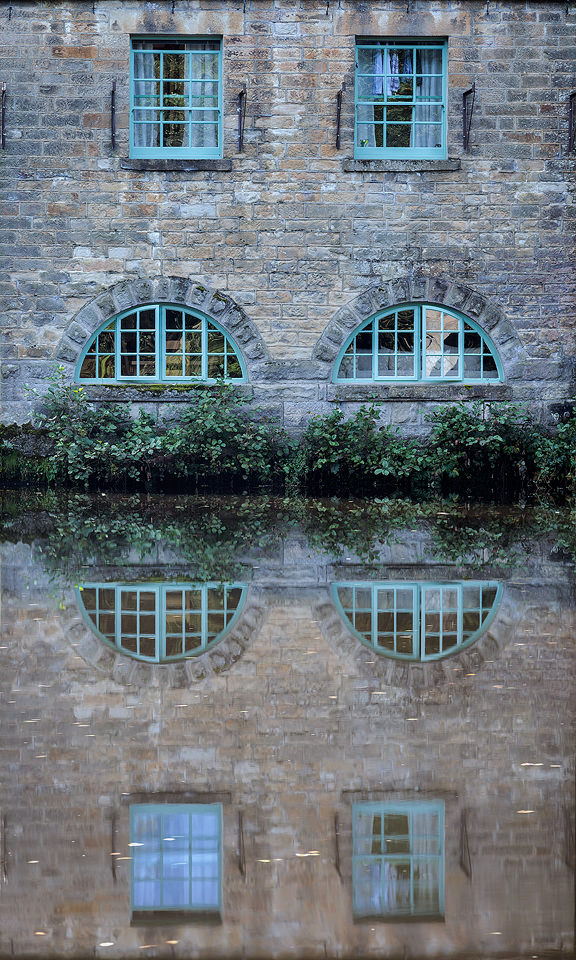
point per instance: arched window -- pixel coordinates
(160, 343)
(161, 622)
(418, 342)
(419, 620)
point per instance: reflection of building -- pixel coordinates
(291, 739)
(418, 621)
(176, 854)
(399, 860)
(159, 622)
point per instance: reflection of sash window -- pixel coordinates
(398, 867)
(176, 852)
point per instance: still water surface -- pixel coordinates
(258, 728)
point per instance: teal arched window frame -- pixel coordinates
(409, 611)
(419, 330)
(152, 362)
(157, 626)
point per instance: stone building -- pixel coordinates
(327, 202)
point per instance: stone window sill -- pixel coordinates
(186, 166)
(401, 166)
(154, 393)
(410, 393)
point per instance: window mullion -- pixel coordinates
(204, 347)
(420, 361)
(160, 623)
(460, 613)
(204, 616)
(117, 617)
(160, 329)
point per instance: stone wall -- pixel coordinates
(288, 736)
(303, 241)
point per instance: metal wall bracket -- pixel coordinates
(113, 115)
(465, 858)
(337, 863)
(113, 844)
(241, 117)
(3, 851)
(571, 122)
(241, 849)
(468, 98)
(3, 116)
(339, 96)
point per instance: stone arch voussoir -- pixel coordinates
(438, 289)
(134, 293)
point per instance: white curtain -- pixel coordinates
(425, 135)
(145, 134)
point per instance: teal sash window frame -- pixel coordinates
(174, 153)
(406, 808)
(419, 611)
(160, 590)
(400, 153)
(160, 356)
(420, 348)
(159, 809)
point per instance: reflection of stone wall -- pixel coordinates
(289, 736)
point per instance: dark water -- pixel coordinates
(261, 728)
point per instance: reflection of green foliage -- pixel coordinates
(214, 536)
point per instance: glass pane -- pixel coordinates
(147, 134)
(174, 319)
(368, 887)
(405, 320)
(147, 368)
(398, 135)
(129, 322)
(396, 882)
(88, 368)
(233, 368)
(396, 824)
(215, 367)
(215, 342)
(428, 60)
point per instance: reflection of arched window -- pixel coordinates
(161, 622)
(176, 853)
(418, 621)
(160, 343)
(419, 342)
(398, 859)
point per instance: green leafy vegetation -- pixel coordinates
(218, 442)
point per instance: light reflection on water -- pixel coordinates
(249, 729)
